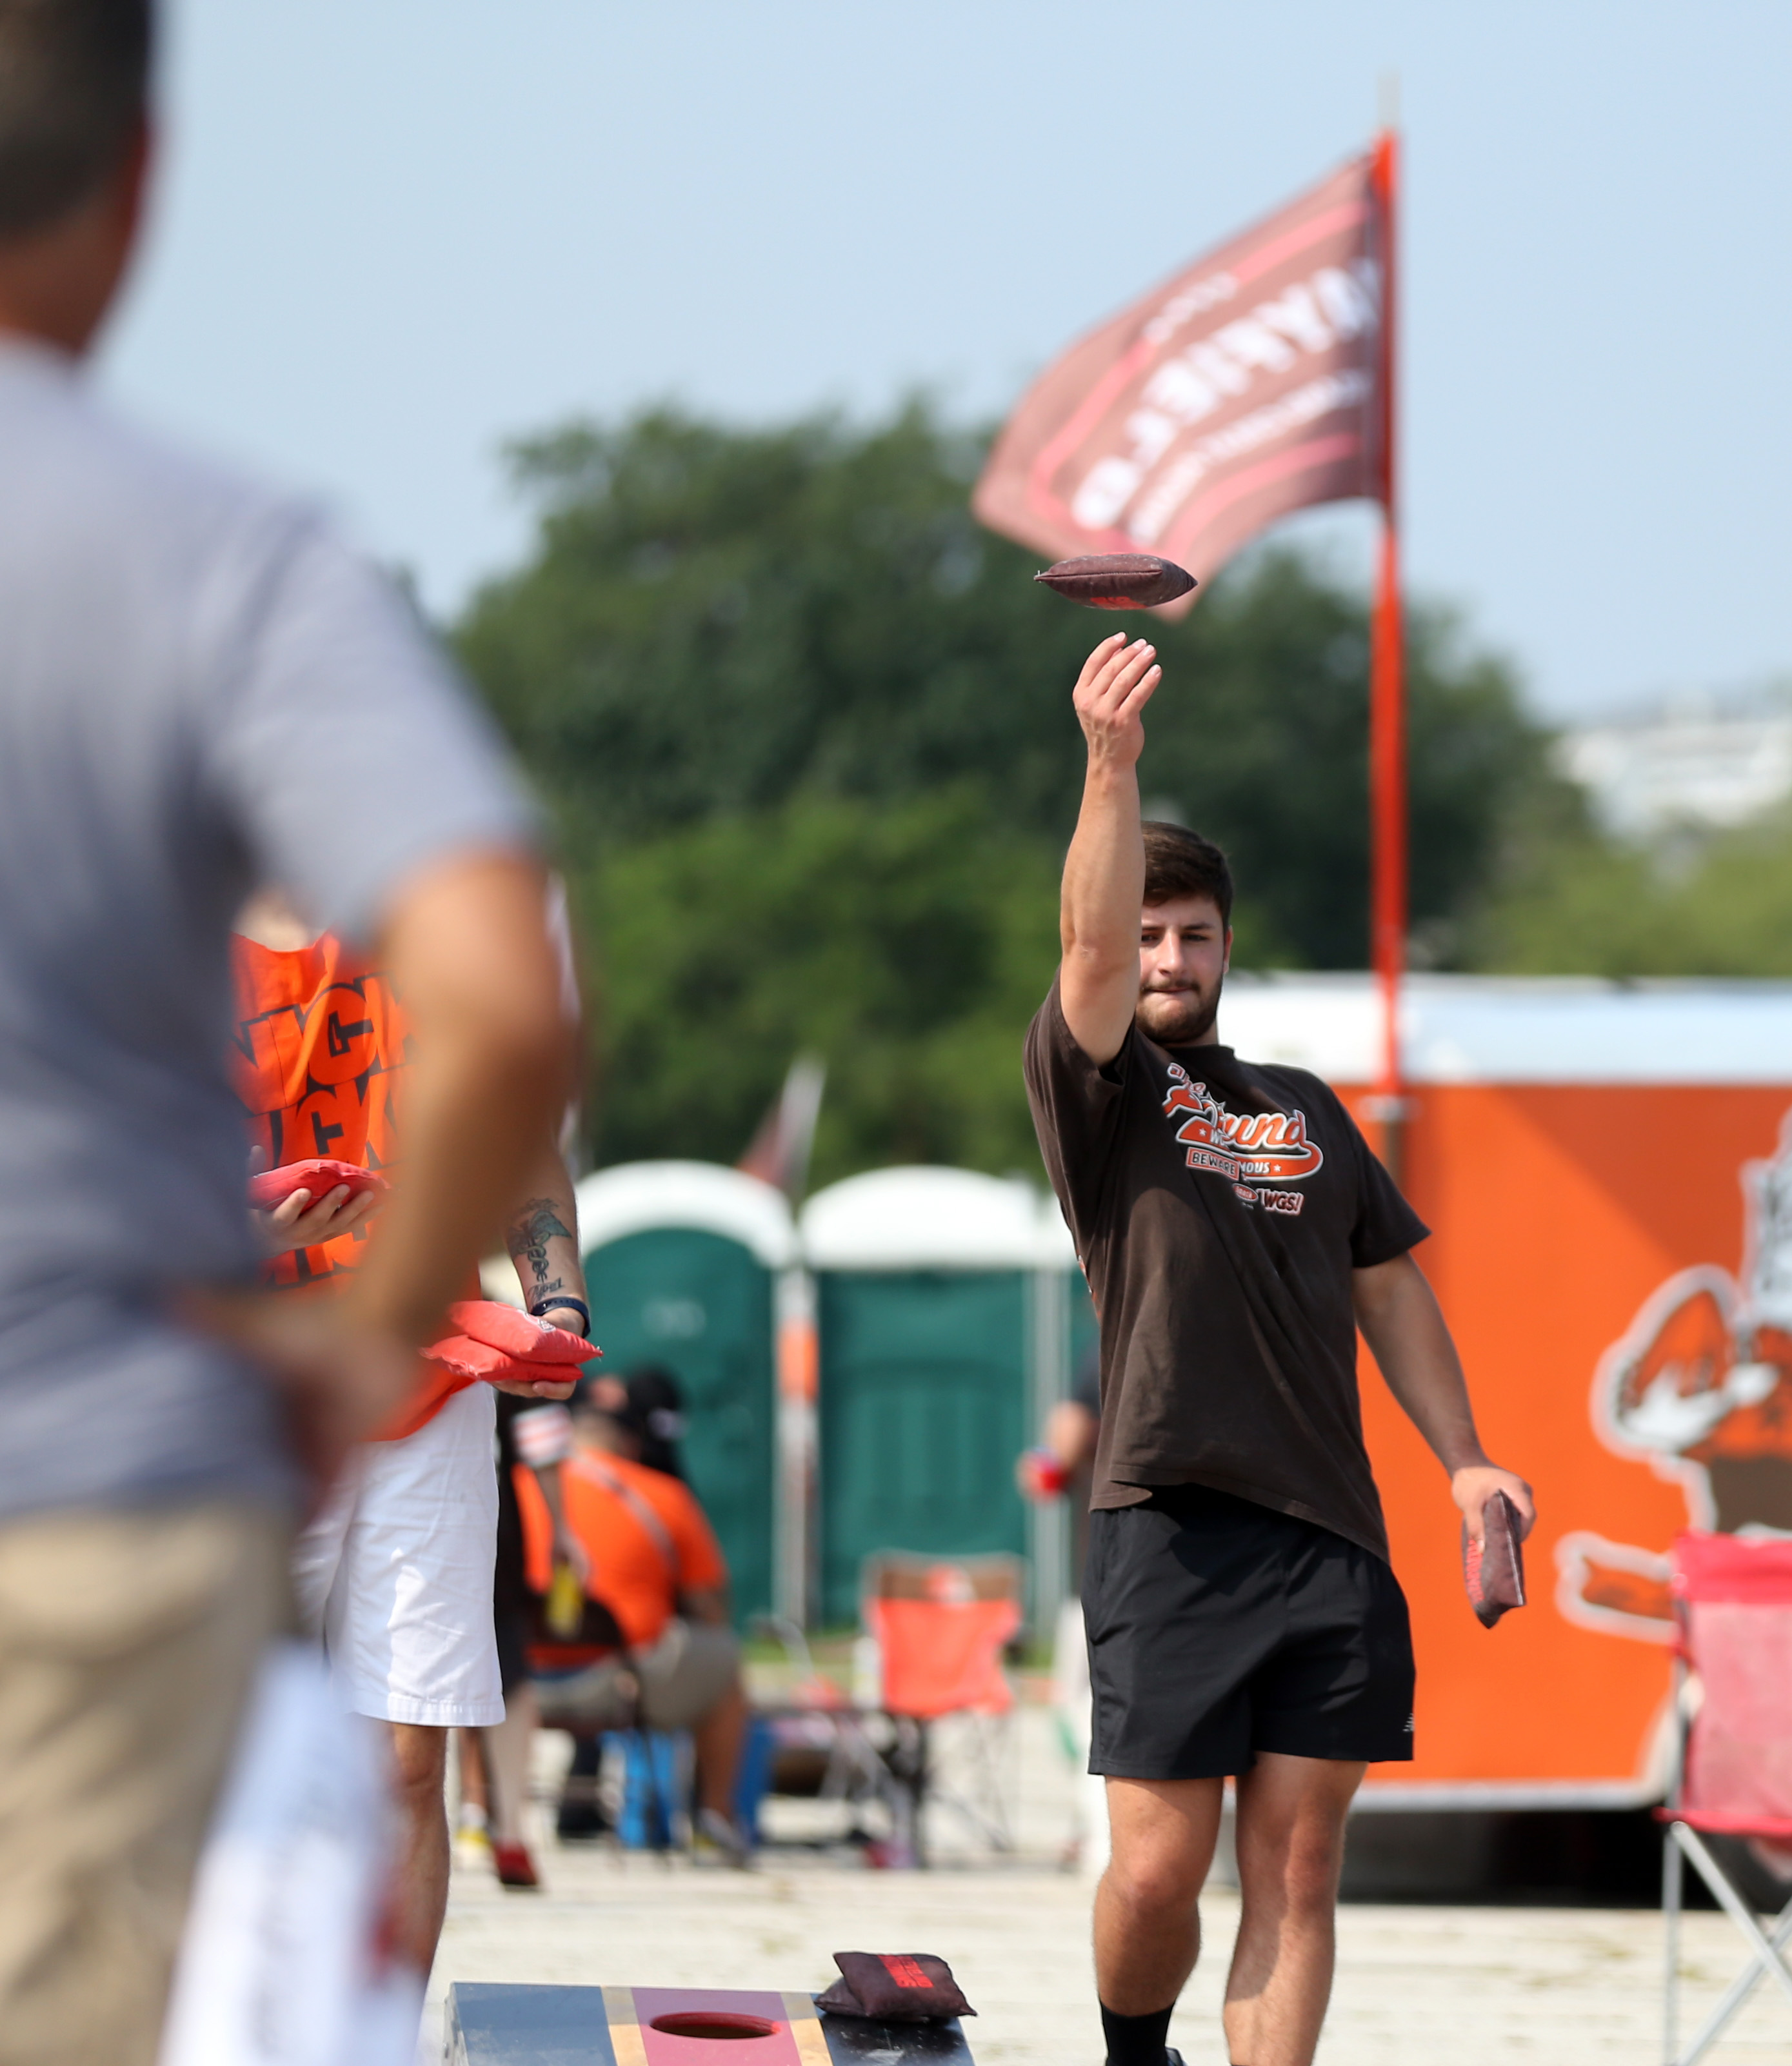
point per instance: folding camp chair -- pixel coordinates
(940, 1628)
(1735, 1778)
(815, 1721)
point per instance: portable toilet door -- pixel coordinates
(924, 1309)
(680, 1259)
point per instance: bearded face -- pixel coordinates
(1185, 947)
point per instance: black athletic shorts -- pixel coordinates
(1218, 1628)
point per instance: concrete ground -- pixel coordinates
(1416, 1985)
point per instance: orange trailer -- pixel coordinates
(1607, 1172)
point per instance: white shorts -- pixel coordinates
(395, 1573)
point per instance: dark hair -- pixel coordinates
(655, 1414)
(74, 86)
(1179, 863)
(647, 1403)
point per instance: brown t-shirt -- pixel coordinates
(1219, 1207)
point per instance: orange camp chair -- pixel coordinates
(1734, 1599)
(940, 1628)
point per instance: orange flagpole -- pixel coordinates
(1388, 810)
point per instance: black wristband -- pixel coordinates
(572, 1306)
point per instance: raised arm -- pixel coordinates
(1401, 1321)
(1104, 873)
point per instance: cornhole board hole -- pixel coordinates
(489, 2024)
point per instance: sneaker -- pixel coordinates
(715, 1841)
(515, 1866)
(472, 1842)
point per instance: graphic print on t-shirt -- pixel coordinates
(1228, 1331)
(315, 1057)
(1237, 1145)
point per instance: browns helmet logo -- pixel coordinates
(1700, 1388)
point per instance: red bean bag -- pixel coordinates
(466, 1358)
(520, 1334)
(274, 1187)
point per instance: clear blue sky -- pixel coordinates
(391, 233)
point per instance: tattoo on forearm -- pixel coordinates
(536, 1223)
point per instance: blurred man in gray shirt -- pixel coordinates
(200, 692)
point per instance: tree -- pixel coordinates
(769, 679)
(908, 944)
(1580, 904)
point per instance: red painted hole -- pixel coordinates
(712, 2023)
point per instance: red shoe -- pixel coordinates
(515, 1866)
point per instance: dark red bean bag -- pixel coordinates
(1494, 1570)
(895, 1987)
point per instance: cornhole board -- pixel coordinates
(491, 2024)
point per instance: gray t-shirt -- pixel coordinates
(200, 690)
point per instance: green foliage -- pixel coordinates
(908, 945)
(717, 619)
(1579, 904)
(1261, 736)
(806, 728)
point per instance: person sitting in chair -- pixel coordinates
(655, 1565)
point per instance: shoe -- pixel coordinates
(715, 1840)
(515, 1866)
(472, 1843)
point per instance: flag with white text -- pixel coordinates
(1247, 387)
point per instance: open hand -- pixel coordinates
(1111, 691)
(297, 1223)
(548, 1388)
(555, 1388)
(1473, 1486)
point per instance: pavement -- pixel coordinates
(1416, 1984)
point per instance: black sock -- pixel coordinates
(1135, 2040)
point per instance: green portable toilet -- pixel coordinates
(943, 1305)
(681, 1259)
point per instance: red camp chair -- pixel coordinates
(940, 1628)
(1734, 1600)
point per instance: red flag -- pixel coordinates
(1249, 386)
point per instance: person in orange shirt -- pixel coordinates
(395, 1570)
(653, 1561)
